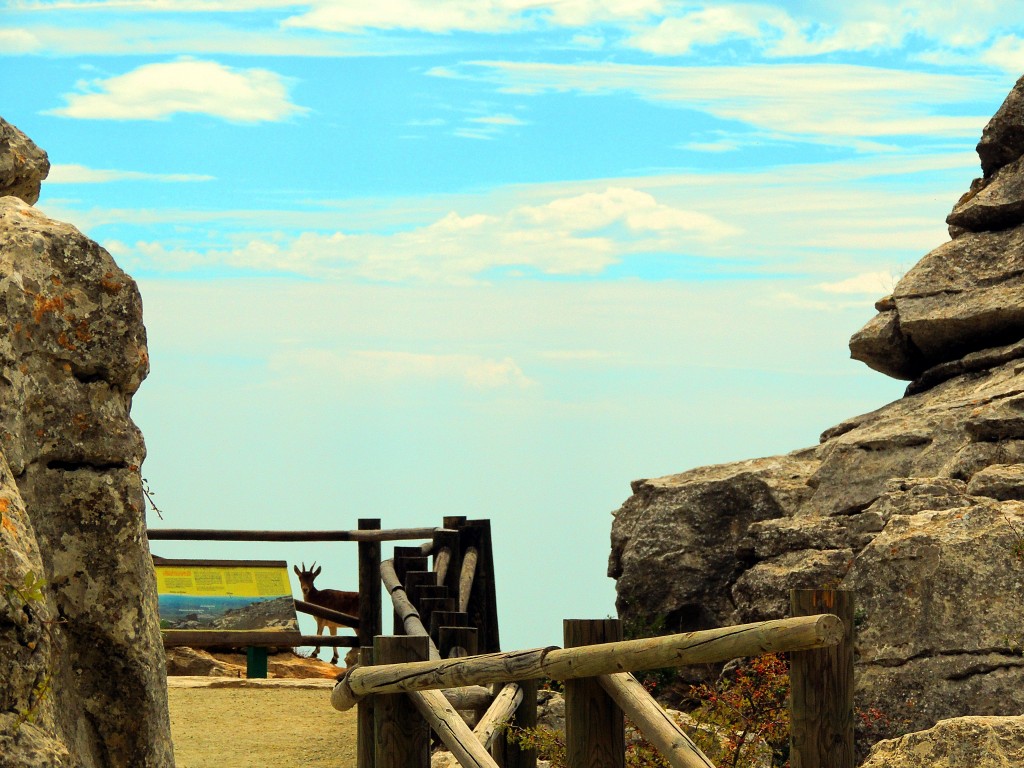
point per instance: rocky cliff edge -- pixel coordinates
(918, 506)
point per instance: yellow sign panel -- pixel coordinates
(240, 582)
(224, 595)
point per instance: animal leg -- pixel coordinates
(334, 633)
(319, 631)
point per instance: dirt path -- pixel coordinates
(228, 723)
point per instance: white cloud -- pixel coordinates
(388, 366)
(72, 173)
(708, 26)
(1007, 53)
(825, 102)
(872, 283)
(722, 145)
(167, 6)
(17, 40)
(444, 16)
(158, 91)
(497, 120)
(824, 28)
(574, 235)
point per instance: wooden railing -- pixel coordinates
(443, 668)
(407, 684)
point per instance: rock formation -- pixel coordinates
(23, 165)
(85, 655)
(917, 506)
(979, 742)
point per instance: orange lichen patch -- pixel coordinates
(82, 332)
(81, 421)
(66, 367)
(110, 285)
(64, 341)
(42, 305)
(55, 280)
(23, 368)
(5, 522)
(40, 432)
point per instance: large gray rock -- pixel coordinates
(978, 742)
(903, 503)
(966, 295)
(996, 203)
(27, 720)
(686, 528)
(72, 355)
(918, 507)
(23, 165)
(1002, 140)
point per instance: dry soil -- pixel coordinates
(230, 723)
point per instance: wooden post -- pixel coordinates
(456, 642)
(365, 750)
(509, 754)
(484, 588)
(821, 687)
(427, 597)
(401, 735)
(413, 580)
(594, 727)
(440, 619)
(369, 585)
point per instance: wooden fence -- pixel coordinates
(443, 668)
(422, 679)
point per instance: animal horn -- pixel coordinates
(313, 566)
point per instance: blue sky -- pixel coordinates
(497, 258)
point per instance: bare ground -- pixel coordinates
(232, 723)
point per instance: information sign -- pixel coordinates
(240, 595)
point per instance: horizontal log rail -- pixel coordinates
(345, 619)
(707, 646)
(208, 638)
(200, 534)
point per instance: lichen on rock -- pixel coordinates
(72, 355)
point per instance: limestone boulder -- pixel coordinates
(999, 481)
(996, 203)
(23, 165)
(72, 355)
(979, 742)
(674, 541)
(28, 736)
(908, 505)
(1002, 140)
(940, 597)
(965, 296)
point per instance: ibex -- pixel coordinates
(335, 599)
